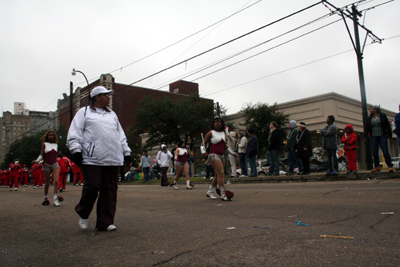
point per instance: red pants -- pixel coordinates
(37, 180)
(24, 179)
(351, 159)
(78, 177)
(61, 180)
(14, 180)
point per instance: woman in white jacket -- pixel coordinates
(99, 146)
(163, 158)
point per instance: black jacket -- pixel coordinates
(273, 140)
(384, 124)
(252, 147)
(303, 142)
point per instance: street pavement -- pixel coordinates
(159, 226)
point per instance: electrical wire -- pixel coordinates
(162, 49)
(243, 51)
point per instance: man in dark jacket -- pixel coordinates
(303, 147)
(291, 141)
(378, 131)
(273, 148)
(252, 151)
(329, 138)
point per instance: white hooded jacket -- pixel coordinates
(98, 135)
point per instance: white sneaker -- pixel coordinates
(223, 196)
(55, 202)
(242, 176)
(10, 188)
(81, 183)
(16, 189)
(188, 186)
(111, 227)
(34, 187)
(40, 187)
(83, 223)
(210, 192)
(175, 187)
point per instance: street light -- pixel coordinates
(74, 71)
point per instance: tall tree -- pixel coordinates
(27, 148)
(167, 120)
(259, 116)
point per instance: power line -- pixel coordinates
(245, 50)
(296, 67)
(168, 46)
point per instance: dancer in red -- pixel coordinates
(6, 178)
(49, 153)
(14, 174)
(24, 176)
(77, 174)
(65, 167)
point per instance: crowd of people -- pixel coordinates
(99, 148)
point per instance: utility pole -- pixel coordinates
(359, 53)
(71, 86)
(353, 15)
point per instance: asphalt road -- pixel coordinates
(159, 226)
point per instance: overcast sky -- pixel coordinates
(41, 41)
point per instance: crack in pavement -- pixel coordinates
(205, 246)
(332, 192)
(343, 220)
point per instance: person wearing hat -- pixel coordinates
(163, 157)
(99, 146)
(14, 174)
(24, 176)
(302, 147)
(378, 131)
(252, 151)
(292, 158)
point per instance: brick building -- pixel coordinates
(125, 100)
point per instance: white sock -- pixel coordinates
(45, 196)
(55, 196)
(187, 182)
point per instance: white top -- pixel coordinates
(163, 158)
(49, 147)
(182, 151)
(216, 137)
(98, 135)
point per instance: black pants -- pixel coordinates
(164, 178)
(306, 163)
(103, 180)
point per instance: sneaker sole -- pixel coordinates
(213, 198)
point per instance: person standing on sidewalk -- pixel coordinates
(242, 153)
(252, 151)
(329, 143)
(273, 148)
(163, 158)
(99, 146)
(397, 129)
(378, 131)
(349, 140)
(145, 164)
(231, 142)
(303, 147)
(291, 141)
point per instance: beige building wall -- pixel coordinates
(314, 111)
